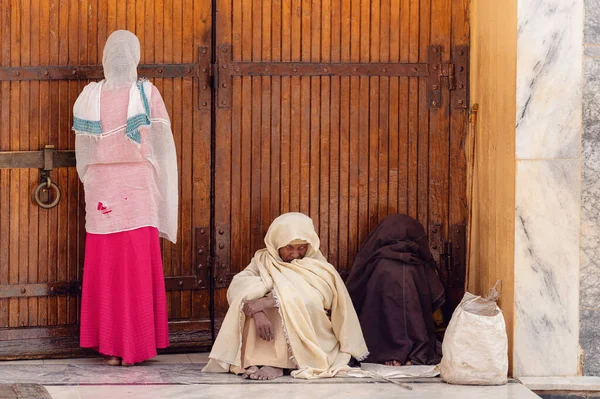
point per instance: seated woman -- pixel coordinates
(289, 309)
(395, 290)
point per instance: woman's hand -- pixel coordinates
(263, 326)
(258, 305)
(253, 306)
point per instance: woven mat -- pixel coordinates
(23, 391)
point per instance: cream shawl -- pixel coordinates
(306, 291)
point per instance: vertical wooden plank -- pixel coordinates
(148, 42)
(5, 50)
(459, 125)
(334, 197)
(202, 23)
(413, 113)
(325, 132)
(53, 128)
(266, 157)
(165, 14)
(238, 235)
(87, 49)
(374, 110)
(34, 144)
(286, 87)
(364, 133)
(315, 116)
(163, 43)
(224, 139)
(177, 125)
(439, 124)
(24, 132)
(64, 125)
(112, 16)
(44, 219)
(122, 14)
(403, 119)
(15, 179)
(354, 128)
(72, 178)
(276, 119)
(256, 239)
(246, 133)
(82, 24)
(424, 120)
(345, 213)
(102, 27)
(385, 149)
(296, 110)
(395, 190)
(188, 55)
(140, 16)
(130, 15)
(275, 49)
(305, 111)
(93, 34)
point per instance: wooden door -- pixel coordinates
(49, 50)
(342, 110)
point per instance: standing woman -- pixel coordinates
(127, 163)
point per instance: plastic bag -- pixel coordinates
(475, 347)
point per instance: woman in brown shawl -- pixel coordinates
(395, 290)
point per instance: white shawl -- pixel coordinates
(306, 290)
(142, 188)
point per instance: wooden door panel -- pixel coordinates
(346, 148)
(38, 247)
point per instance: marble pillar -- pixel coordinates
(548, 191)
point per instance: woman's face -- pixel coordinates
(291, 252)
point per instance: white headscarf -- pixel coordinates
(307, 290)
(120, 59)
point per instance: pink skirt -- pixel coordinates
(124, 306)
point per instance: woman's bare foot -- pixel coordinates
(267, 373)
(393, 363)
(112, 361)
(125, 364)
(397, 363)
(249, 371)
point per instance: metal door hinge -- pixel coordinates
(456, 72)
(451, 254)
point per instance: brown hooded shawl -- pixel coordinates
(395, 290)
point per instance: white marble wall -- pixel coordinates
(590, 209)
(548, 199)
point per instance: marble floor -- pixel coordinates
(295, 391)
(179, 376)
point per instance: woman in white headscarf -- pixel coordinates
(289, 309)
(127, 163)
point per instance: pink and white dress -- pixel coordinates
(127, 162)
